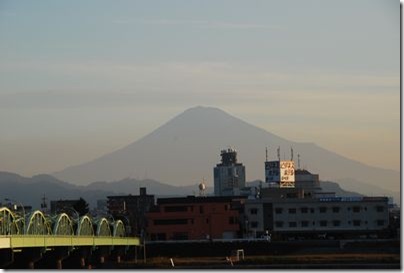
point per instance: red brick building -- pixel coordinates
(194, 218)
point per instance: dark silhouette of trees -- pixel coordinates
(81, 206)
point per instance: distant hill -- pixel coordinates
(131, 186)
(187, 147)
(29, 191)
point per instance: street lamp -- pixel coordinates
(23, 211)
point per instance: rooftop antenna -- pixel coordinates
(279, 153)
(291, 154)
(298, 161)
(44, 206)
(266, 153)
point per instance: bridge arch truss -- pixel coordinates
(63, 225)
(38, 224)
(8, 223)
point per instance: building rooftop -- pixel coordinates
(199, 199)
(302, 171)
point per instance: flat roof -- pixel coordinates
(198, 199)
(129, 196)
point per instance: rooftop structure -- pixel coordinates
(229, 175)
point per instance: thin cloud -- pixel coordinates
(197, 23)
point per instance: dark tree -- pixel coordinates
(81, 207)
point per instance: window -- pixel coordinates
(175, 208)
(379, 208)
(336, 223)
(292, 224)
(356, 223)
(323, 223)
(232, 220)
(207, 220)
(254, 224)
(356, 209)
(180, 236)
(226, 207)
(161, 222)
(279, 224)
(292, 211)
(160, 236)
(304, 210)
(380, 222)
(278, 210)
(323, 209)
(254, 211)
(201, 209)
(216, 173)
(305, 223)
(335, 209)
(291, 195)
(312, 210)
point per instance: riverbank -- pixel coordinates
(309, 261)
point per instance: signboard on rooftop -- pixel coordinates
(287, 174)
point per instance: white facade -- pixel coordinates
(335, 214)
(330, 214)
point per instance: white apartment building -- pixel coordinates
(317, 215)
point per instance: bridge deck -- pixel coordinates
(22, 241)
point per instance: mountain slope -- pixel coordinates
(30, 191)
(187, 147)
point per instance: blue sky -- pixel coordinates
(83, 78)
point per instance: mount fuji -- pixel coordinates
(186, 148)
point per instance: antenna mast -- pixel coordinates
(291, 153)
(44, 206)
(279, 153)
(266, 153)
(298, 161)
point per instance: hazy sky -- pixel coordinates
(79, 79)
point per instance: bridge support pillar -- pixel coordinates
(59, 264)
(117, 253)
(78, 258)
(6, 257)
(27, 258)
(84, 254)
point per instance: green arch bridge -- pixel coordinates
(40, 231)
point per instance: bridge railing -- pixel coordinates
(21, 241)
(38, 223)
